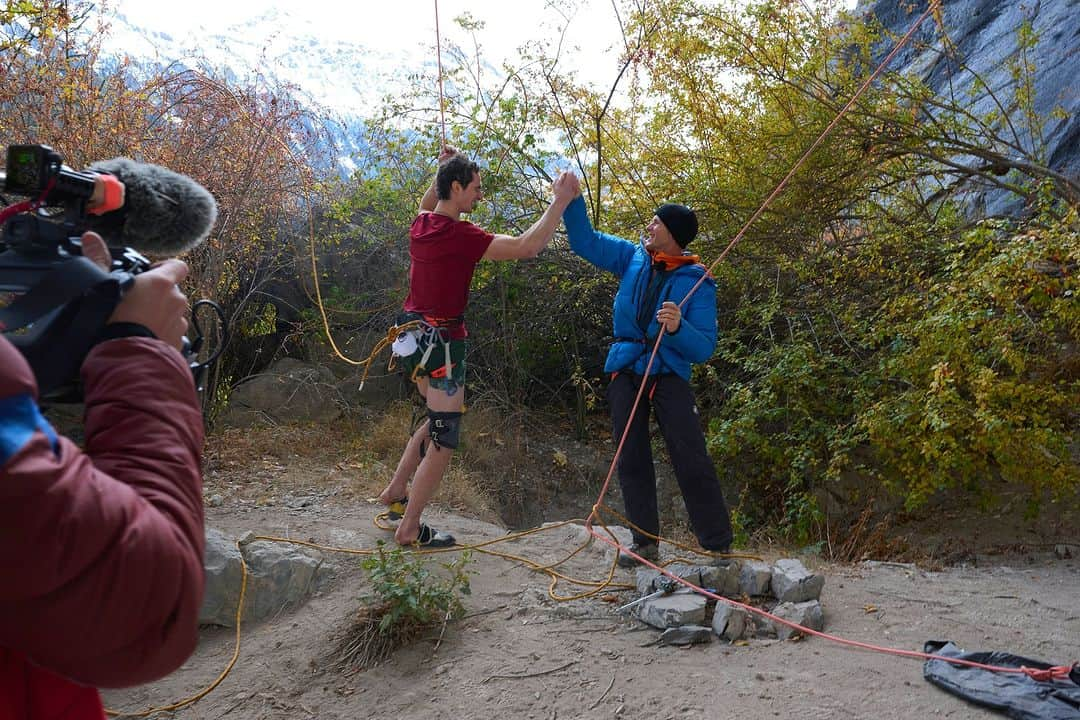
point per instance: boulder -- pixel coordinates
(289, 391)
(682, 607)
(792, 582)
(686, 635)
(281, 576)
(731, 622)
(808, 614)
(755, 578)
(984, 33)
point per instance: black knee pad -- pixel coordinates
(444, 428)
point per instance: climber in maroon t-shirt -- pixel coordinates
(445, 250)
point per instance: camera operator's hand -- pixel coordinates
(95, 250)
(154, 301)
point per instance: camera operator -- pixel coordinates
(101, 551)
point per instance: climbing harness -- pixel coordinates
(412, 340)
(417, 338)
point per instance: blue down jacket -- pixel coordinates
(695, 339)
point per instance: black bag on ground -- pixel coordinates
(1018, 696)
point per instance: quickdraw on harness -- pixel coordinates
(426, 332)
(405, 338)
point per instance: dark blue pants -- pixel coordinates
(673, 401)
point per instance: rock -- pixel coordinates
(683, 607)
(380, 388)
(686, 635)
(690, 573)
(646, 580)
(755, 578)
(984, 33)
(223, 574)
(808, 614)
(280, 576)
(731, 622)
(723, 578)
(792, 582)
(289, 391)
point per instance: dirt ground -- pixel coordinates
(519, 653)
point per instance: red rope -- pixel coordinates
(11, 210)
(1040, 675)
(1054, 673)
(1058, 672)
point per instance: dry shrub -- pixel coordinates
(379, 442)
(366, 644)
(499, 474)
(333, 440)
(386, 434)
(489, 460)
(261, 462)
(462, 490)
(381, 439)
(868, 537)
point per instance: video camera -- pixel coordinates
(44, 233)
(62, 300)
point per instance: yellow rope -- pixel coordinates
(594, 587)
(224, 673)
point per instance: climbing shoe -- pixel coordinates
(649, 551)
(396, 509)
(429, 537)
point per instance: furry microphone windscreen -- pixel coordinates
(164, 212)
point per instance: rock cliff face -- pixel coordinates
(985, 35)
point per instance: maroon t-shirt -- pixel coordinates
(444, 255)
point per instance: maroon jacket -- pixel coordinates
(101, 553)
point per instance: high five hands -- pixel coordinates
(447, 152)
(567, 186)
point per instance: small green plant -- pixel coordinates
(407, 600)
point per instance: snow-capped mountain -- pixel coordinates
(281, 43)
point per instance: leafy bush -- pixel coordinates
(407, 600)
(975, 371)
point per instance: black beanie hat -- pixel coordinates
(680, 221)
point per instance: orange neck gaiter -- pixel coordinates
(670, 262)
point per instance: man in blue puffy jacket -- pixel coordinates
(654, 278)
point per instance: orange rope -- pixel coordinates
(1053, 673)
(1043, 675)
(438, 55)
(753, 218)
